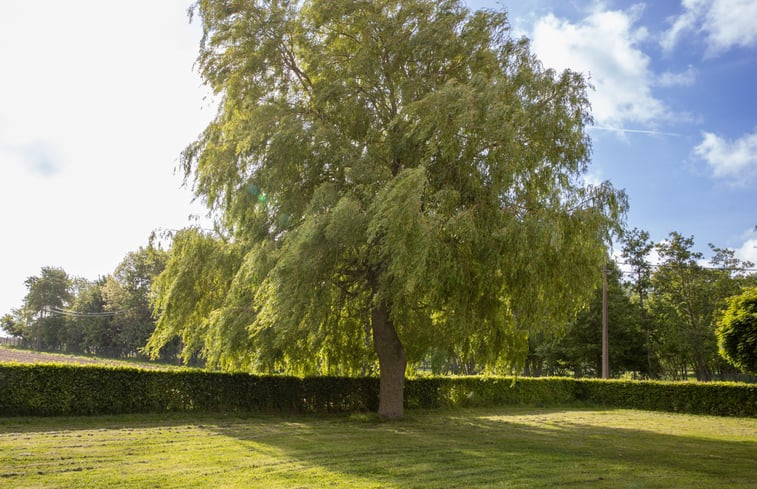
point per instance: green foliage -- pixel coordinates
(715, 398)
(686, 302)
(737, 331)
(662, 317)
(11, 324)
(48, 390)
(436, 392)
(579, 351)
(111, 316)
(194, 300)
(37, 324)
(636, 249)
(126, 293)
(81, 390)
(91, 323)
(403, 158)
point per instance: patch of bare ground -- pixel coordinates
(28, 356)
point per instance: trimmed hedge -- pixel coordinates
(436, 392)
(49, 390)
(715, 398)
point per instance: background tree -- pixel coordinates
(92, 321)
(636, 249)
(111, 316)
(42, 327)
(686, 301)
(126, 295)
(579, 351)
(398, 176)
(11, 324)
(737, 331)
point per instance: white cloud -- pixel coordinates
(732, 160)
(687, 21)
(748, 250)
(39, 157)
(605, 46)
(684, 79)
(725, 23)
(593, 178)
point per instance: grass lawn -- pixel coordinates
(475, 448)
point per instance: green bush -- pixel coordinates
(715, 398)
(48, 390)
(80, 390)
(434, 392)
(737, 331)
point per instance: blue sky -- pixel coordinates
(97, 100)
(675, 106)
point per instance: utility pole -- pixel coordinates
(605, 335)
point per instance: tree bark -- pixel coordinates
(392, 362)
(605, 333)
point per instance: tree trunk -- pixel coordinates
(702, 370)
(392, 362)
(605, 330)
(647, 332)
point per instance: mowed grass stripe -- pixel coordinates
(509, 447)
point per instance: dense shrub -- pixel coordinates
(716, 398)
(74, 390)
(433, 392)
(737, 331)
(79, 390)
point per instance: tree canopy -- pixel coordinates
(111, 316)
(737, 331)
(387, 177)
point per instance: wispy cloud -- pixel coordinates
(734, 160)
(725, 24)
(683, 79)
(621, 130)
(38, 158)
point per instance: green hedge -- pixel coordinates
(715, 398)
(47, 390)
(435, 392)
(80, 390)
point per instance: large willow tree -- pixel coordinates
(389, 176)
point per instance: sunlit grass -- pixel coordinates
(506, 447)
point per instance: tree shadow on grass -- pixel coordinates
(475, 450)
(45, 424)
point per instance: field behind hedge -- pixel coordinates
(505, 447)
(21, 355)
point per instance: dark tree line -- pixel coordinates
(110, 317)
(663, 318)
